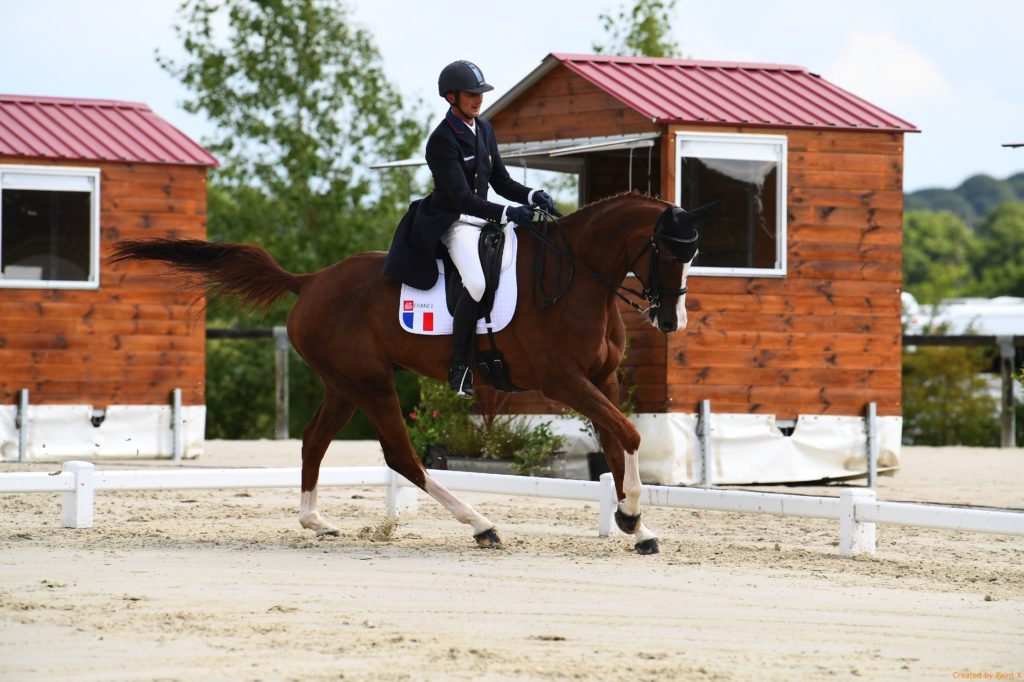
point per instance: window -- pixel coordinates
(49, 227)
(746, 174)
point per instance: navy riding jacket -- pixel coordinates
(463, 165)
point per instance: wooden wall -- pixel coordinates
(135, 338)
(826, 339)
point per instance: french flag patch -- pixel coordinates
(417, 320)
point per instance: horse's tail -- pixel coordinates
(241, 271)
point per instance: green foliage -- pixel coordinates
(301, 107)
(997, 254)
(946, 400)
(972, 200)
(936, 248)
(246, 364)
(645, 30)
(528, 446)
(442, 418)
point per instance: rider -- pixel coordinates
(463, 157)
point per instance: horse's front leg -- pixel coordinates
(620, 441)
(625, 468)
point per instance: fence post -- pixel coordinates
(607, 500)
(281, 381)
(703, 463)
(1007, 355)
(22, 422)
(76, 506)
(873, 445)
(401, 498)
(177, 426)
(855, 537)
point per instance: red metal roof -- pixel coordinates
(712, 93)
(92, 130)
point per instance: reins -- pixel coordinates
(651, 292)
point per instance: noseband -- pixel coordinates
(652, 291)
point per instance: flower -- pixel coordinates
(413, 415)
(435, 414)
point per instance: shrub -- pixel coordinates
(442, 418)
(946, 399)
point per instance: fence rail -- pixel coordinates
(856, 509)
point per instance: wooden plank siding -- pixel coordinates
(823, 340)
(135, 338)
(826, 339)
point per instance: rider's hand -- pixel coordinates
(520, 215)
(543, 200)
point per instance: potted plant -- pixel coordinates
(447, 434)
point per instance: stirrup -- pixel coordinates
(460, 380)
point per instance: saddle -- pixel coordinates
(491, 363)
(491, 245)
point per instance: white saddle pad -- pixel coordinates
(425, 311)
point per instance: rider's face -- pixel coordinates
(468, 105)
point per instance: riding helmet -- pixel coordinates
(462, 76)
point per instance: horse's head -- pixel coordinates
(670, 253)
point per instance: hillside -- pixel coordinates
(972, 200)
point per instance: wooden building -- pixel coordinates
(82, 336)
(794, 308)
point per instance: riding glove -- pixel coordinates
(520, 215)
(544, 200)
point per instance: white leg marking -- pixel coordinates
(459, 509)
(310, 518)
(632, 487)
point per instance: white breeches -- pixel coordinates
(462, 240)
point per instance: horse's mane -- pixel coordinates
(588, 210)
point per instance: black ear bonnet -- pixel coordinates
(676, 229)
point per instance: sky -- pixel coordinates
(953, 69)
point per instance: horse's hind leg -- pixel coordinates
(380, 403)
(332, 415)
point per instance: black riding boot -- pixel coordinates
(460, 376)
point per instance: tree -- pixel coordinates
(643, 31)
(996, 257)
(946, 399)
(301, 107)
(936, 248)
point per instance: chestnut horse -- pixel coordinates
(344, 324)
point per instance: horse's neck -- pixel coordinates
(601, 241)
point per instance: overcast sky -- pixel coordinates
(953, 69)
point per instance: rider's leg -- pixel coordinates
(462, 241)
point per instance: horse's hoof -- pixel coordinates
(626, 523)
(489, 539)
(648, 546)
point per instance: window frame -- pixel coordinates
(92, 175)
(732, 147)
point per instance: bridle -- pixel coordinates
(652, 291)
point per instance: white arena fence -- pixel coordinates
(856, 509)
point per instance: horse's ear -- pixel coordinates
(693, 215)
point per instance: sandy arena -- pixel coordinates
(225, 585)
